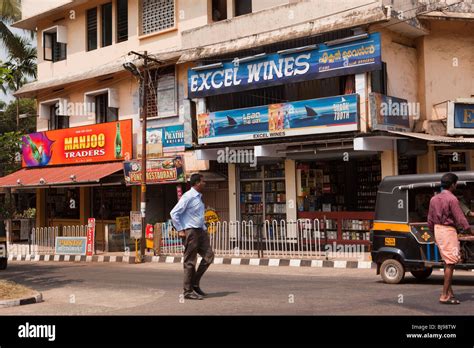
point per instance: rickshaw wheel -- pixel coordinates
(422, 274)
(3, 263)
(392, 271)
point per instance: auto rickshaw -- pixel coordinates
(400, 238)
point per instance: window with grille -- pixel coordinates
(92, 29)
(122, 20)
(166, 92)
(157, 15)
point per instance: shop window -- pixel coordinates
(262, 193)
(122, 20)
(379, 80)
(219, 10)
(157, 15)
(166, 91)
(242, 7)
(109, 203)
(63, 203)
(91, 29)
(106, 25)
(451, 161)
(55, 44)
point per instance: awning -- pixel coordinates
(436, 138)
(60, 176)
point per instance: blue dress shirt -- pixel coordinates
(189, 212)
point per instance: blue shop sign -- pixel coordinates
(276, 69)
(463, 115)
(323, 115)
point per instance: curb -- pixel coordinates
(22, 301)
(273, 262)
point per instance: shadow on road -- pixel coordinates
(221, 294)
(41, 279)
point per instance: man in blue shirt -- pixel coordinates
(188, 219)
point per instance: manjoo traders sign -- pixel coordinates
(280, 68)
(95, 143)
(158, 171)
(323, 115)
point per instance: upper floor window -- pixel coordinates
(55, 44)
(122, 20)
(219, 10)
(91, 29)
(57, 121)
(157, 15)
(242, 7)
(106, 24)
(102, 104)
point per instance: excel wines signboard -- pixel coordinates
(95, 143)
(274, 69)
(158, 171)
(323, 115)
(461, 117)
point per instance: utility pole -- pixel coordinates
(143, 114)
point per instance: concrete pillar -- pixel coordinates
(290, 188)
(426, 163)
(361, 87)
(230, 9)
(389, 162)
(40, 207)
(233, 199)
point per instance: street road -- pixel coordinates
(155, 289)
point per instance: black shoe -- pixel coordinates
(193, 296)
(198, 291)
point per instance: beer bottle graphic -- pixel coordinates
(118, 142)
(34, 149)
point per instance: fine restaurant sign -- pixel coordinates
(158, 171)
(314, 116)
(87, 144)
(285, 67)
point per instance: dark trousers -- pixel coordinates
(196, 242)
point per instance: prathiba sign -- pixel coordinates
(273, 69)
(323, 115)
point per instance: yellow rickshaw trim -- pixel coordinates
(394, 227)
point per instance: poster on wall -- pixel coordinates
(389, 113)
(320, 62)
(163, 140)
(102, 142)
(158, 171)
(323, 115)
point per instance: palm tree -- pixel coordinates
(21, 66)
(10, 12)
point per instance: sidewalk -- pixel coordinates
(331, 261)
